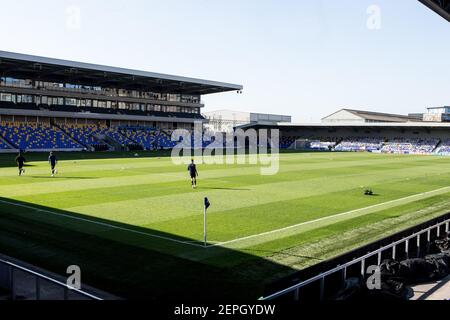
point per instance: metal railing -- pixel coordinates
(38, 278)
(295, 289)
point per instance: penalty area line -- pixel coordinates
(414, 196)
(103, 224)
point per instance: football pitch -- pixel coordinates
(135, 226)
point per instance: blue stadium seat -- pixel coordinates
(148, 138)
(444, 149)
(34, 136)
(3, 146)
(410, 146)
(84, 134)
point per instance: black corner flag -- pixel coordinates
(207, 204)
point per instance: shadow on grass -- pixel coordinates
(129, 261)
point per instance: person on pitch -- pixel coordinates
(192, 168)
(53, 161)
(20, 161)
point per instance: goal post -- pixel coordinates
(301, 144)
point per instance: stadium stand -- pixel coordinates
(444, 149)
(164, 140)
(360, 144)
(36, 136)
(85, 134)
(308, 143)
(213, 140)
(118, 137)
(31, 96)
(410, 146)
(203, 142)
(419, 146)
(151, 138)
(321, 145)
(3, 145)
(287, 142)
(137, 138)
(208, 140)
(145, 137)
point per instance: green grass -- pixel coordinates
(134, 225)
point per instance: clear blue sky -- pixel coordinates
(302, 58)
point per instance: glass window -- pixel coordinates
(71, 102)
(5, 97)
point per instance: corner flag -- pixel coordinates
(207, 205)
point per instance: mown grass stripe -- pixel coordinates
(365, 210)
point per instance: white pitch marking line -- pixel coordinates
(327, 218)
(103, 224)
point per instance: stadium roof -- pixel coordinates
(404, 125)
(432, 108)
(375, 116)
(55, 70)
(441, 7)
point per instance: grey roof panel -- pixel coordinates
(371, 115)
(94, 72)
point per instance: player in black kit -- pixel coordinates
(20, 161)
(53, 161)
(192, 168)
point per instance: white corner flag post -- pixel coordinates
(207, 204)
